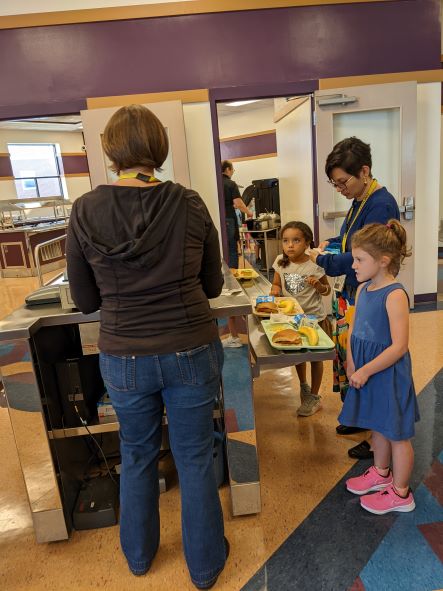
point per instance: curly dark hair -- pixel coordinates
(350, 154)
(307, 234)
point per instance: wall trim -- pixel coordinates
(423, 298)
(258, 157)
(73, 154)
(417, 76)
(244, 135)
(75, 174)
(7, 178)
(89, 15)
(197, 95)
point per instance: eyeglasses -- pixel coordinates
(340, 186)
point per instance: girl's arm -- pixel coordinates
(276, 285)
(397, 307)
(321, 285)
(350, 366)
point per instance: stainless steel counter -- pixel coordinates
(25, 322)
(36, 228)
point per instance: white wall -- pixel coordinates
(246, 121)
(69, 142)
(428, 187)
(250, 121)
(201, 157)
(247, 171)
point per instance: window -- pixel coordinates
(36, 170)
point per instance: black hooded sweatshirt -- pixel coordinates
(149, 258)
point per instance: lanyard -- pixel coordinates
(348, 217)
(139, 176)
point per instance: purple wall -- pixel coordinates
(5, 166)
(50, 70)
(75, 164)
(249, 146)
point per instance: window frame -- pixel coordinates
(36, 178)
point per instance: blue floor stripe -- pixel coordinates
(404, 560)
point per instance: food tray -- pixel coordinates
(297, 308)
(239, 274)
(324, 342)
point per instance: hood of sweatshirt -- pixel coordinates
(132, 225)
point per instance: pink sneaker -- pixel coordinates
(386, 501)
(369, 481)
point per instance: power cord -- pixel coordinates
(85, 425)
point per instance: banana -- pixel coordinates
(310, 333)
(286, 306)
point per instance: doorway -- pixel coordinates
(270, 145)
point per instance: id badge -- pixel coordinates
(339, 283)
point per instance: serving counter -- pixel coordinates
(35, 345)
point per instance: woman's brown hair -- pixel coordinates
(384, 239)
(307, 235)
(133, 137)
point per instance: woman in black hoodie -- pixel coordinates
(147, 254)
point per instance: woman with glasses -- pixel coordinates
(348, 168)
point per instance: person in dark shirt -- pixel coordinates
(233, 202)
(348, 168)
(147, 254)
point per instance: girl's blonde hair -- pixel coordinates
(384, 239)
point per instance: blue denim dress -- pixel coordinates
(387, 402)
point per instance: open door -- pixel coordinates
(385, 116)
(293, 126)
(170, 114)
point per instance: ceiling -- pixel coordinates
(56, 123)
(223, 109)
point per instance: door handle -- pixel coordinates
(408, 208)
(333, 215)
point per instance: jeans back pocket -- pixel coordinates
(200, 365)
(118, 371)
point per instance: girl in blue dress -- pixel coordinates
(381, 395)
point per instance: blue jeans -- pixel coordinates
(231, 232)
(187, 384)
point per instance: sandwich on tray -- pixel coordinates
(287, 336)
